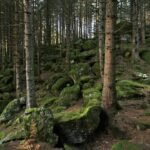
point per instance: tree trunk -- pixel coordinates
(109, 92)
(101, 35)
(28, 45)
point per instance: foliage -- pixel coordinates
(12, 109)
(89, 44)
(125, 145)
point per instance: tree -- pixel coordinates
(108, 93)
(101, 34)
(28, 46)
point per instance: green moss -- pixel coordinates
(53, 79)
(89, 44)
(87, 54)
(2, 134)
(17, 134)
(92, 94)
(47, 101)
(86, 78)
(79, 70)
(143, 124)
(125, 145)
(69, 94)
(96, 69)
(70, 147)
(12, 109)
(60, 84)
(76, 126)
(41, 122)
(128, 88)
(147, 112)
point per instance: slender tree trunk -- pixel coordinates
(28, 45)
(135, 30)
(109, 92)
(16, 52)
(101, 35)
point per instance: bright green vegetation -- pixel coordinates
(147, 112)
(129, 89)
(125, 145)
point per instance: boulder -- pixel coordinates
(38, 123)
(12, 109)
(70, 94)
(79, 70)
(60, 84)
(75, 127)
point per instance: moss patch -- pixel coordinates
(60, 84)
(143, 123)
(38, 123)
(125, 145)
(129, 88)
(79, 70)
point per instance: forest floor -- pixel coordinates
(126, 120)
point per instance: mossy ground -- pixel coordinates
(125, 145)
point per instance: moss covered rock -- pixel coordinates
(129, 89)
(75, 127)
(53, 79)
(79, 70)
(92, 94)
(70, 94)
(38, 123)
(12, 109)
(60, 84)
(125, 145)
(87, 54)
(18, 133)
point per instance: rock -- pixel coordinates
(53, 79)
(60, 84)
(79, 70)
(75, 127)
(70, 94)
(92, 94)
(12, 109)
(38, 123)
(16, 133)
